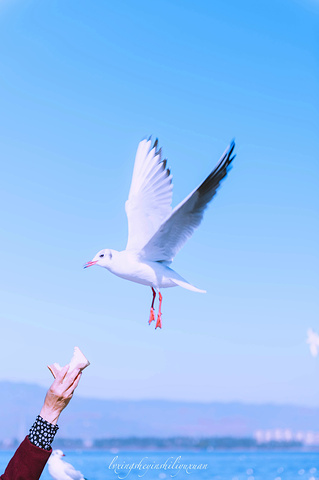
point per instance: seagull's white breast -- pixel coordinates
(127, 265)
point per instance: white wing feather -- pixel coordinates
(73, 474)
(186, 217)
(150, 196)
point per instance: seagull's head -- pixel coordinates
(103, 258)
(57, 454)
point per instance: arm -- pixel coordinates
(31, 456)
(27, 463)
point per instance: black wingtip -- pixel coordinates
(232, 146)
(155, 143)
(227, 158)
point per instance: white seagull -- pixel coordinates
(156, 232)
(60, 470)
(313, 341)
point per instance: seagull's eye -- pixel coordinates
(102, 255)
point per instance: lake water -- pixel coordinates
(97, 465)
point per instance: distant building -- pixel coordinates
(308, 438)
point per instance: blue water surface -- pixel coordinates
(97, 465)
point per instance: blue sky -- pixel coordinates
(80, 85)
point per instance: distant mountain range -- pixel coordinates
(88, 418)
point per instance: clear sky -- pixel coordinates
(81, 83)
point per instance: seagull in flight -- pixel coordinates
(156, 232)
(313, 341)
(61, 470)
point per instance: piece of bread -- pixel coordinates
(77, 361)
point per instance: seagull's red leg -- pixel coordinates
(152, 314)
(159, 316)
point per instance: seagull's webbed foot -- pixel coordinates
(159, 321)
(159, 316)
(152, 316)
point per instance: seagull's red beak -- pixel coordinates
(89, 264)
(63, 455)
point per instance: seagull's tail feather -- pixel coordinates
(188, 286)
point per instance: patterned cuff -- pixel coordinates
(42, 433)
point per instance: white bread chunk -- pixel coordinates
(77, 361)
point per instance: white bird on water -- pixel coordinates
(156, 232)
(61, 470)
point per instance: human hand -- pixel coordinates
(60, 393)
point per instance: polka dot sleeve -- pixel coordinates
(42, 433)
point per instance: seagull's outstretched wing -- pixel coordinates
(186, 217)
(150, 197)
